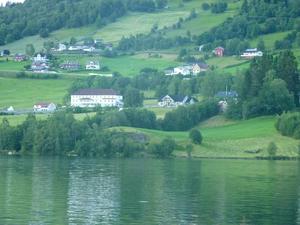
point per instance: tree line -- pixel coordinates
(270, 86)
(44, 16)
(61, 134)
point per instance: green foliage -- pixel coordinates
(133, 98)
(288, 124)
(163, 149)
(205, 6)
(254, 18)
(269, 86)
(42, 17)
(272, 149)
(196, 136)
(218, 7)
(184, 118)
(30, 50)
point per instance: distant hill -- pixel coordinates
(44, 16)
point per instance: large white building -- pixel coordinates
(251, 53)
(96, 97)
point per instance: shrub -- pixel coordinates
(272, 149)
(196, 136)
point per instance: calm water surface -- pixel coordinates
(144, 191)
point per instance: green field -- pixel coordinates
(226, 139)
(205, 20)
(269, 39)
(126, 65)
(24, 93)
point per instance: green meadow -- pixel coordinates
(128, 65)
(230, 139)
(24, 93)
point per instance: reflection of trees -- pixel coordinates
(143, 191)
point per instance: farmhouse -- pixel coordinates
(4, 53)
(96, 97)
(92, 65)
(20, 57)
(176, 100)
(219, 51)
(61, 47)
(198, 68)
(251, 53)
(186, 70)
(44, 107)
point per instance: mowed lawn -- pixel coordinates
(24, 93)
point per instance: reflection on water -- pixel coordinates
(144, 191)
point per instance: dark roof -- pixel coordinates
(180, 98)
(203, 65)
(89, 91)
(227, 94)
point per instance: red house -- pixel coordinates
(219, 51)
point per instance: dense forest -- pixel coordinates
(43, 16)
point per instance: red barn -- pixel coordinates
(219, 51)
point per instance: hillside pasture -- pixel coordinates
(24, 93)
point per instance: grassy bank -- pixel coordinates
(230, 139)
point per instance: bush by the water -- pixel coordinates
(272, 150)
(288, 124)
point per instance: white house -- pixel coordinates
(61, 47)
(10, 109)
(251, 53)
(44, 107)
(198, 68)
(176, 100)
(192, 69)
(89, 49)
(92, 65)
(39, 58)
(96, 97)
(75, 47)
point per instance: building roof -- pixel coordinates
(227, 94)
(180, 98)
(202, 65)
(90, 91)
(42, 104)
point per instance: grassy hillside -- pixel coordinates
(24, 93)
(222, 138)
(230, 138)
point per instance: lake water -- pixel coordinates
(144, 191)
